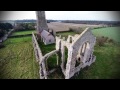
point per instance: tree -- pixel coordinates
(2, 32)
(4, 27)
(24, 26)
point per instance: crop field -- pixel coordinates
(110, 32)
(57, 26)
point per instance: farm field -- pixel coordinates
(57, 26)
(17, 60)
(110, 32)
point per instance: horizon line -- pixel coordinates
(59, 20)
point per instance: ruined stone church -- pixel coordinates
(80, 50)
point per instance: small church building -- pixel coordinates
(47, 37)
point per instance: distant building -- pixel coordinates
(47, 37)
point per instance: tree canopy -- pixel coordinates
(5, 27)
(24, 26)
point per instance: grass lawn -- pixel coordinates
(23, 32)
(110, 32)
(65, 34)
(17, 60)
(106, 66)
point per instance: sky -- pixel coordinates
(62, 15)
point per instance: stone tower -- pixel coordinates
(41, 21)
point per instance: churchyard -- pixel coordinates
(17, 58)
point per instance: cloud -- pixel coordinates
(62, 15)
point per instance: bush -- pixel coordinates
(38, 36)
(97, 27)
(101, 40)
(78, 30)
(111, 41)
(4, 28)
(71, 29)
(2, 32)
(2, 46)
(24, 26)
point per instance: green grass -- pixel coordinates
(106, 66)
(23, 32)
(17, 59)
(65, 34)
(110, 32)
(52, 61)
(47, 48)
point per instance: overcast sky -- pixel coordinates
(63, 15)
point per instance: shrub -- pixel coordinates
(78, 30)
(97, 27)
(71, 29)
(1, 45)
(38, 37)
(101, 40)
(2, 32)
(24, 26)
(111, 41)
(4, 28)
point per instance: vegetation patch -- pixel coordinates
(23, 32)
(17, 59)
(106, 65)
(110, 32)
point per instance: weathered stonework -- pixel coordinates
(42, 29)
(41, 21)
(80, 53)
(80, 50)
